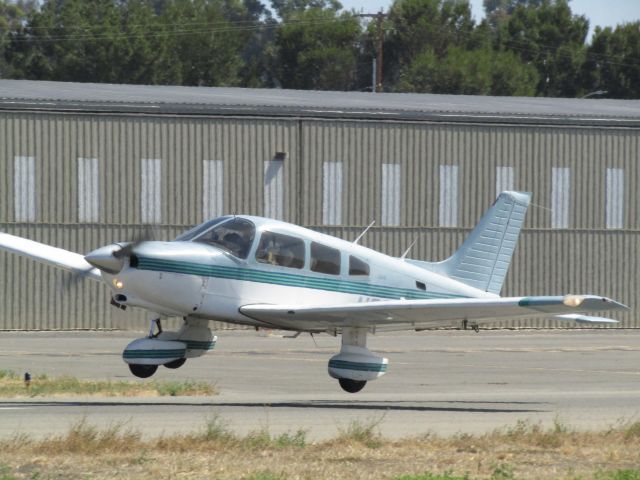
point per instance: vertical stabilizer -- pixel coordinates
(483, 259)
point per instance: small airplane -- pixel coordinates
(270, 274)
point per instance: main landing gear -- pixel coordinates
(351, 386)
(171, 349)
(355, 365)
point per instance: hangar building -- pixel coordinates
(84, 165)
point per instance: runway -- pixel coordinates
(443, 382)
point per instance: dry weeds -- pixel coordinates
(13, 386)
(525, 451)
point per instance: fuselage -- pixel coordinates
(204, 274)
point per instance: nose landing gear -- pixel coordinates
(167, 348)
(142, 371)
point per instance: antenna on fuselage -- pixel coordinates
(406, 252)
(363, 233)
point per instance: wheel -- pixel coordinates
(176, 363)
(142, 371)
(351, 386)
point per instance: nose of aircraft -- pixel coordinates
(104, 259)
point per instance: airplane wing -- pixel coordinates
(391, 315)
(70, 261)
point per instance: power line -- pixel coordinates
(226, 26)
(230, 27)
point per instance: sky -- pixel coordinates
(599, 12)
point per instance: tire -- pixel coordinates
(351, 386)
(176, 363)
(142, 371)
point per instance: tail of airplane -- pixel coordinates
(483, 259)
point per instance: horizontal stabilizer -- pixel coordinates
(574, 317)
(70, 261)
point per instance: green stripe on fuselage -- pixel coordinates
(286, 279)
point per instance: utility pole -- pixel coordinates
(380, 16)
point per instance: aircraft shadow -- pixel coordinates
(436, 406)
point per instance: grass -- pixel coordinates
(429, 476)
(365, 432)
(524, 451)
(500, 474)
(12, 385)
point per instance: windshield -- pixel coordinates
(235, 236)
(198, 229)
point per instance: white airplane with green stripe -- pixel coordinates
(270, 274)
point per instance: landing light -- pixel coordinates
(118, 283)
(573, 300)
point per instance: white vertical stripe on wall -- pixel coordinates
(390, 208)
(504, 179)
(274, 189)
(560, 195)
(212, 189)
(615, 198)
(88, 190)
(448, 211)
(24, 185)
(150, 191)
(332, 193)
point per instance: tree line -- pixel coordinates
(521, 47)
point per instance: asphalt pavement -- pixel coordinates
(443, 382)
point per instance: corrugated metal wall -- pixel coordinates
(586, 257)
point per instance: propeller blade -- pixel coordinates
(127, 249)
(74, 277)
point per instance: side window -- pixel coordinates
(281, 250)
(357, 266)
(325, 259)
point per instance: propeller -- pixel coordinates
(126, 248)
(110, 259)
(72, 278)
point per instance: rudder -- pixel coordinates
(483, 259)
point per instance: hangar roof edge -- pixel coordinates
(157, 99)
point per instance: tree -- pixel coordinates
(547, 35)
(190, 42)
(498, 11)
(285, 8)
(256, 71)
(316, 48)
(12, 17)
(204, 43)
(613, 61)
(417, 26)
(469, 72)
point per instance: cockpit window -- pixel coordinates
(281, 250)
(235, 236)
(198, 229)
